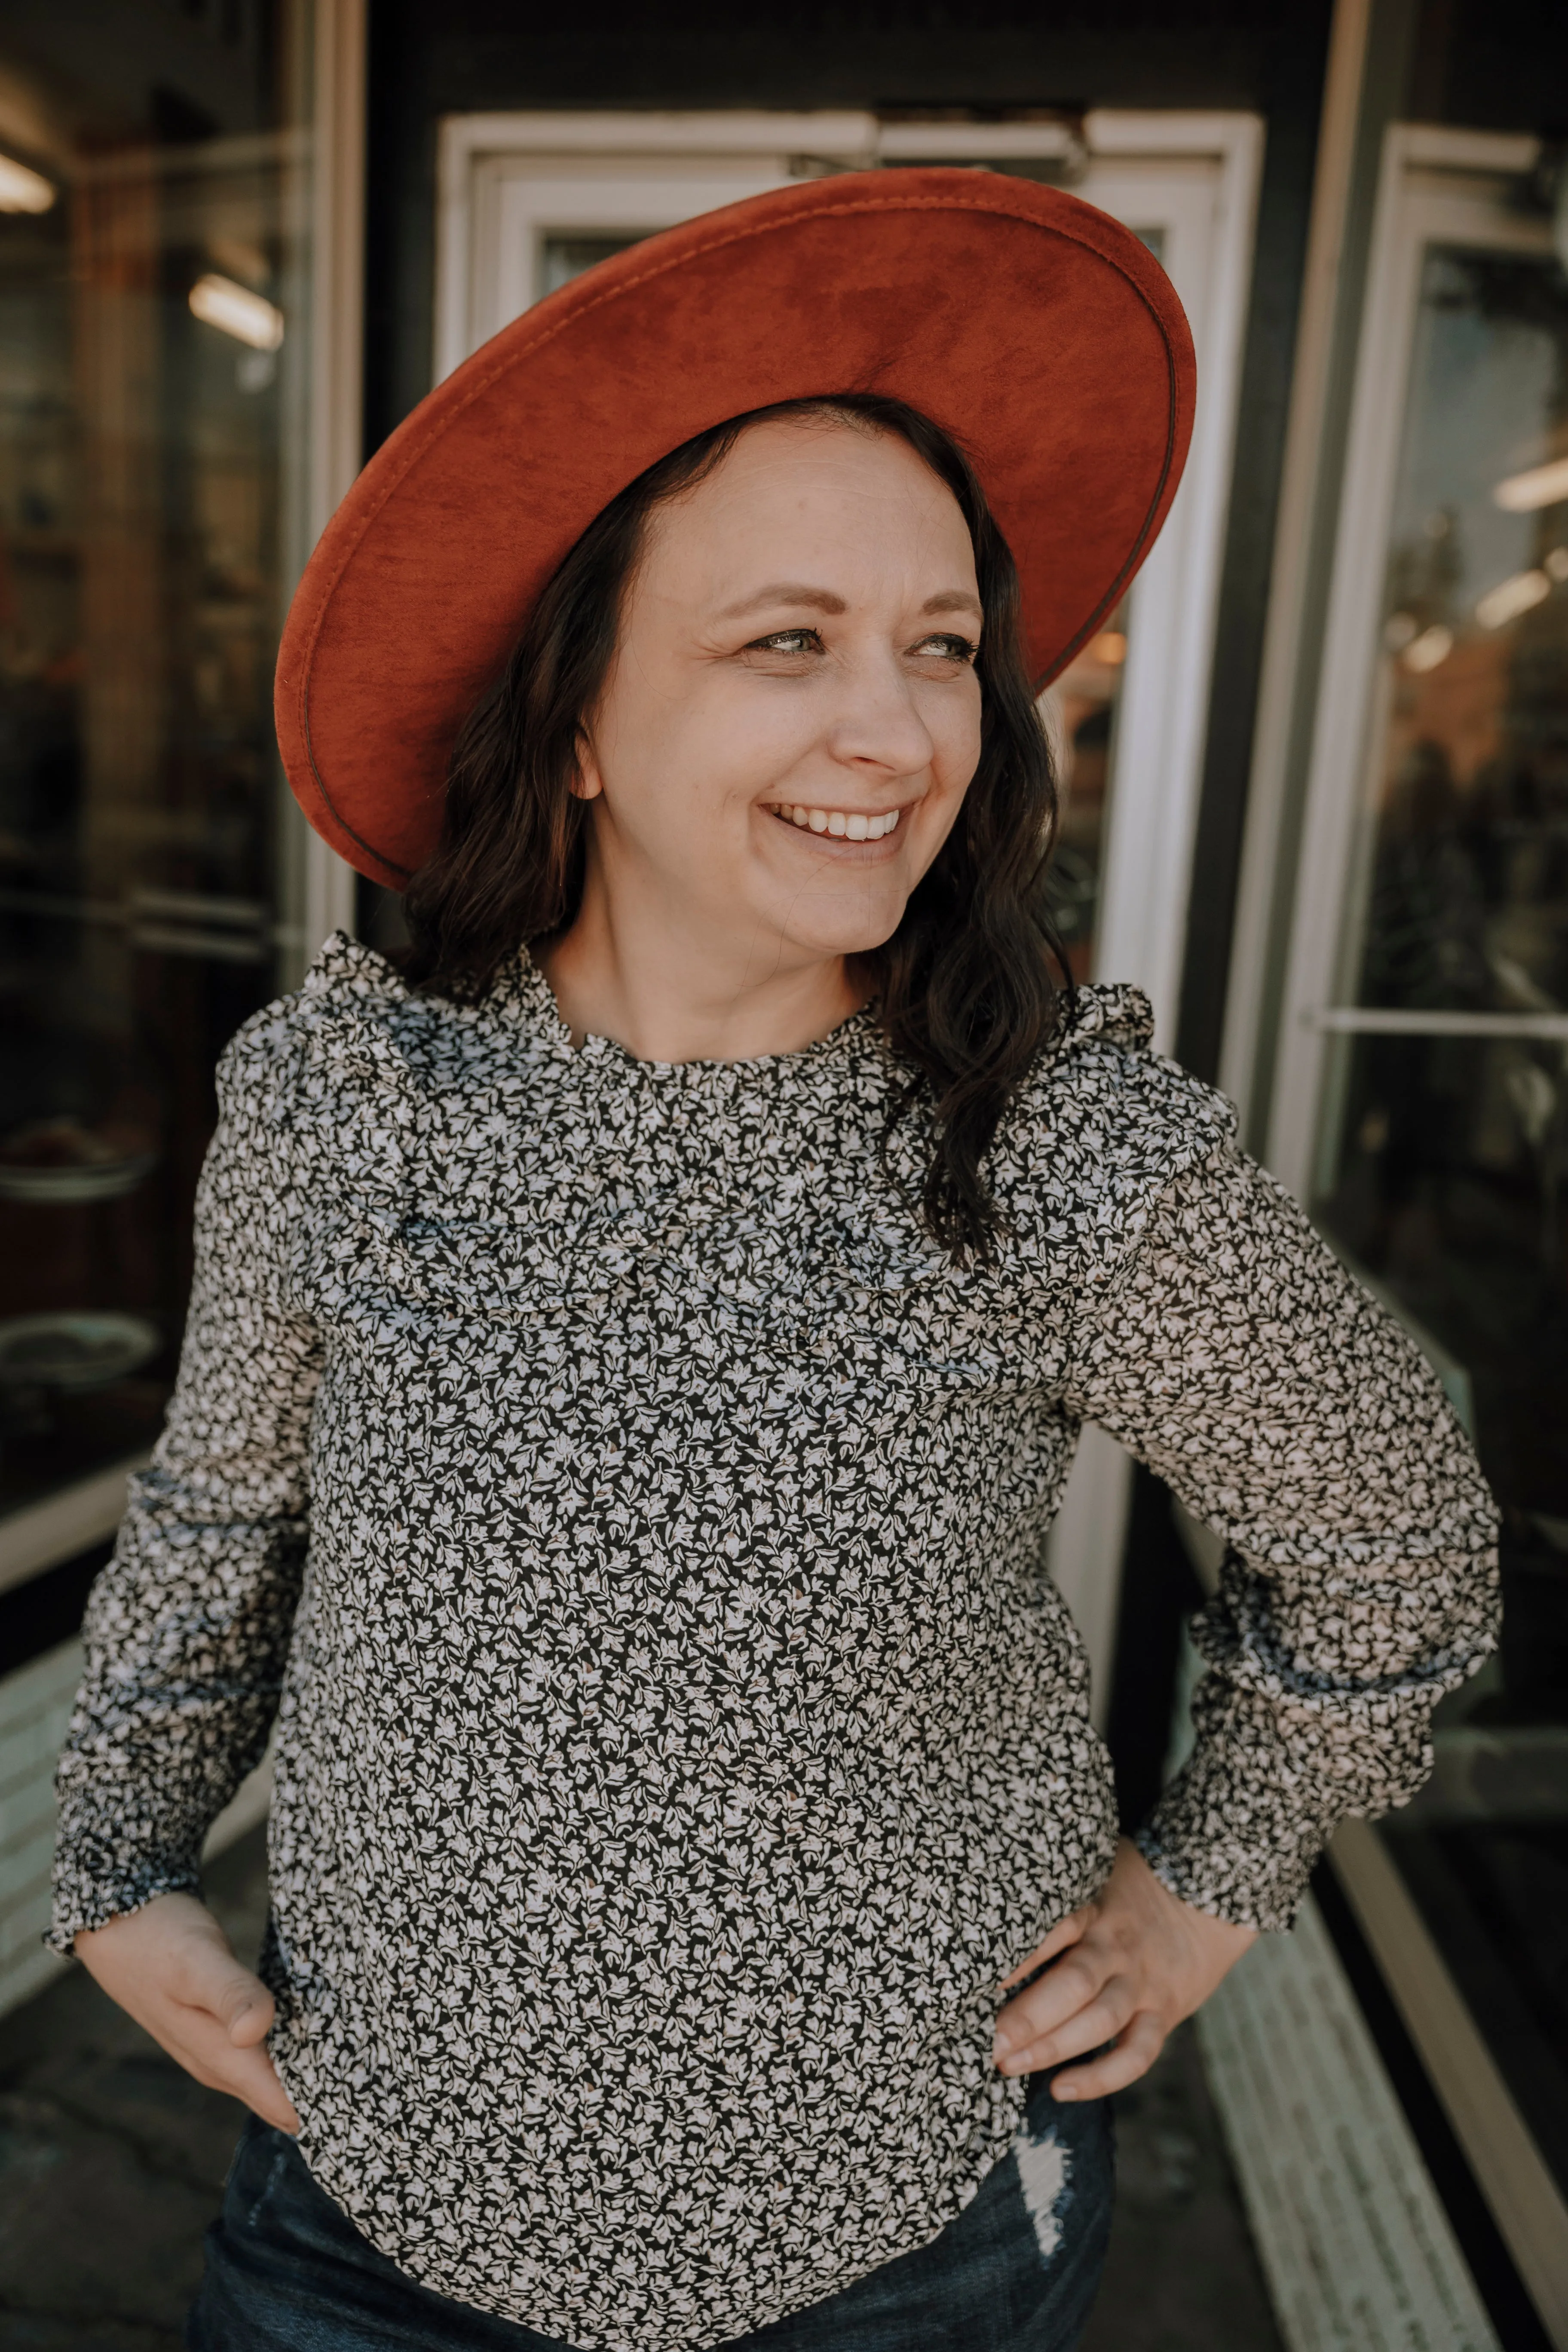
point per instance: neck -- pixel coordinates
(668, 993)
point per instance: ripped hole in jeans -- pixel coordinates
(1043, 2172)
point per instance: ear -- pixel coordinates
(586, 782)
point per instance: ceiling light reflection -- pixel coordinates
(1432, 646)
(236, 310)
(1542, 486)
(24, 191)
(1511, 597)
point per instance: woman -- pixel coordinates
(669, 1303)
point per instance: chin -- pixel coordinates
(856, 929)
(846, 938)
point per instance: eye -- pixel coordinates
(947, 646)
(787, 641)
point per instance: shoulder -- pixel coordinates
(350, 999)
(1102, 1127)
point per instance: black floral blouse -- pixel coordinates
(639, 1523)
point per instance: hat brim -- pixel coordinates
(1038, 331)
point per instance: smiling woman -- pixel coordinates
(701, 704)
(639, 1344)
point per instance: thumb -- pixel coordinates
(243, 2005)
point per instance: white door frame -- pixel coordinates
(336, 199)
(1437, 186)
(1190, 178)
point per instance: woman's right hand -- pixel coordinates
(173, 1968)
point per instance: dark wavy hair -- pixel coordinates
(970, 986)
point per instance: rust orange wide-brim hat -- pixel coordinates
(1038, 331)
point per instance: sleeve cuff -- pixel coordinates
(87, 1899)
(1247, 1860)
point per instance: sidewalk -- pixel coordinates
(112, 2164)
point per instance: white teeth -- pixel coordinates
(856, 827)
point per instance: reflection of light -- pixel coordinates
(1110, 647)
(1510, 598)
(236, 310)
(1432, 646)
(1557, 563)
(1541, 487)
(22, 191)
(1400, 630)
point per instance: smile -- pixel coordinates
(843, 824)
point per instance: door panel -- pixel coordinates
(1423, 1103)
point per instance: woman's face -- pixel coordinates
(792, 717)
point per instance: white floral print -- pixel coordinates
(639, 1522)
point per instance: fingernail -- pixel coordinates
(1067, 2091)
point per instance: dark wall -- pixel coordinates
(433, 56)
(429, 58)
(1491, 65)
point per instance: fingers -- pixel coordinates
(200, 2045)
(247, 2076)
(1066, 1931)
(249, 2010)
(204, 1975)
(1077, 1979)
(170, 1966)
(1132, 2054)
(253, 2078)
(1029, 2050)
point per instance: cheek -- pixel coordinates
(953, 722)
(963, 752)
(726, 748)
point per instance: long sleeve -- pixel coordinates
(188, 1627)
(1234, 1355)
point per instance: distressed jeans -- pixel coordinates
(1016, 2272)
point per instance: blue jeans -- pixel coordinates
(1016, 2272)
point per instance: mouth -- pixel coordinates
(843, 825)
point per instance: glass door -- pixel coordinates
(528, 200)
(1423, 1103)
(155, 445)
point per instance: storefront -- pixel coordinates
(1317, 777)
(181, 232)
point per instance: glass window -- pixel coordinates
(562, 259)
(152, 277)
(1443, 1158)
(1080, 713)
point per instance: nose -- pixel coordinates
(878, 726)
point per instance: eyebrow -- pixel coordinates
(824, 600)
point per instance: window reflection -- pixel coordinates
(1443, 1167)
(151, 405)
(1079, 710)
